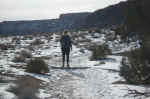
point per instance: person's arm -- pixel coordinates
(70, 43)
(71, 46)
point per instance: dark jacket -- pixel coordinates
(66, 42)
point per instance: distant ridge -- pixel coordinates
(64, 22)
(112, 15)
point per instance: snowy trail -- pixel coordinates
(94, 81)
(91, 83)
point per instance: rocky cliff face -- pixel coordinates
(23, 27)
(112, 15)
(72, 21)
(65, 22)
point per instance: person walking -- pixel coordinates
(66, 47)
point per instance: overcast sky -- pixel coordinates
(47, 9)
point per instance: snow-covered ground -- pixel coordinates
(87, 80)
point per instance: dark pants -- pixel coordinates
(65, 54)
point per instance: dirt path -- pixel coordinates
(89, 83)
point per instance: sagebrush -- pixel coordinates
(135, 68)
(100, 52)
(25, 88)
(37, 65)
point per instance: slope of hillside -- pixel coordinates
(112, 15)
(137, 16)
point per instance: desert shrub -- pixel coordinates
(135, 68)
(74, 36)
(6, 46)
(26, 88)
(137, 64)
(37, 42)
(75, 43)
(16, 39)
(21, 57)
(90, 31)
(26, 54)
(145, 46)
(27, 37)
(30, 48)
(98, 31)
(37, 65)
(1, 79)
(83, 40)
(3, 47)
(99, 52)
